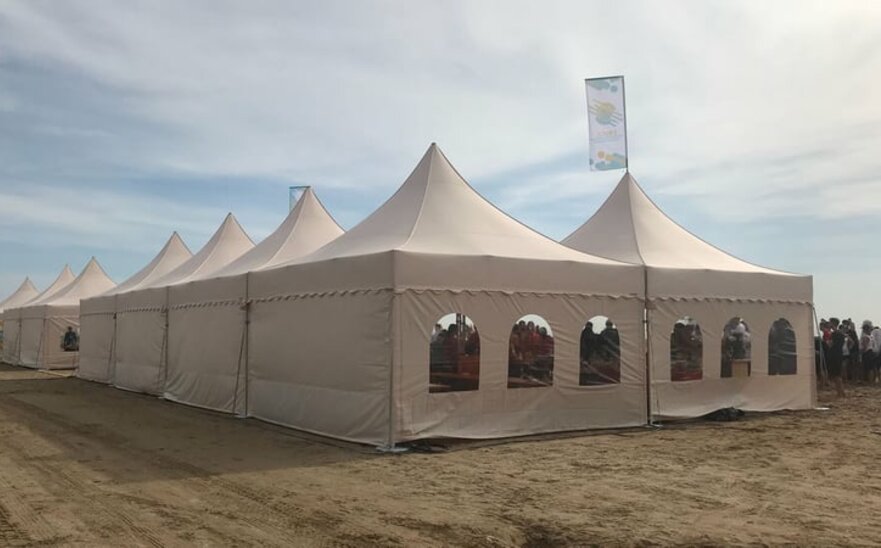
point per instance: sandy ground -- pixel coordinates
(84, 464)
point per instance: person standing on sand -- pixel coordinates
(867, 353)
(834, 357)
(876, 347)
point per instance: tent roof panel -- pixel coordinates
(173, 254)
(65, 277)
(435, 211)
(629, 227)
(25, 292)
(90, 282)
(307, 227)
(227, 244)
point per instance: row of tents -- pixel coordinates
(329, 331)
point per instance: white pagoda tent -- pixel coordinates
(12, 317)
(44, 321)
(142, 315)
(734, 303)
(25, 292)
(339, 340)
(98, 314)
(208, 319)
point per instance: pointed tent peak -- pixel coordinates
(94, 269)
(630, 227)
(173, 254)
(24, 293)
(92, 265)
(309, 208)
(64, 278)
(175, 244)
(227, 243)
(91, 281)
(307, 227)
(27, 284)
(435, 211)
(231, 227)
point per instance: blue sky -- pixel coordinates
(753, 124)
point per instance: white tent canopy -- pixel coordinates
(689, 280)
(98, 314)
(12, 317)
(339, 339)
(142, 320)
(208, 318)
(25, 292)
(44, 321)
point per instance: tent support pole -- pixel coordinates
(390, 446)
(111, 359)
(822, 355)
(647, 333)
(247, 338)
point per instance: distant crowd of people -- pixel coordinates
(849, 354)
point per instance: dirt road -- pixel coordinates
(85, 464)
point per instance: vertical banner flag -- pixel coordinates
(607, 123)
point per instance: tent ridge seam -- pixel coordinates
(318, 294)
(422, 290)
(729, 299)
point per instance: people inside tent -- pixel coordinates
(611, 341)
(70, 341)
(600, 354)
(686, 351)
(530, 354)
(736, 349)
(782, 355)
(454, 355)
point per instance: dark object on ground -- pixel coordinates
(425, 446)
(727, 414)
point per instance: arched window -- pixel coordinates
(686, 351)
(531, 353)
(781, 348)
(454, 362)
(736, 349)
(600, 353)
